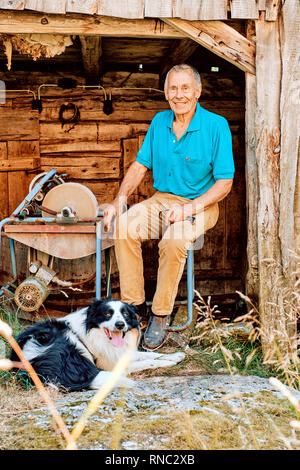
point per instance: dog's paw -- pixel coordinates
(175, 357)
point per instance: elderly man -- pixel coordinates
(189, 151)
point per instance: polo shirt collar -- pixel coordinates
(195, 122)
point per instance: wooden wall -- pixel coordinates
(97, 151)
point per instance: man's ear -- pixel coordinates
(198, 92)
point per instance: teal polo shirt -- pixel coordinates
(190, 166)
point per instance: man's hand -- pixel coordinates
(177, 213)
(109, 213)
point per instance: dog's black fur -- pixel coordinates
(77, 352)
(63, 362)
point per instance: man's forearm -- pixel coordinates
(214, 194)
(132, 179)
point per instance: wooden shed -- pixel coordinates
(247, 52)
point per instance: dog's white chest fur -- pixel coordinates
(106, 355)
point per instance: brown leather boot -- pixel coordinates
(157, 332)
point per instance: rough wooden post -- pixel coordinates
(290, 131)
(277, 334)
(252, 285)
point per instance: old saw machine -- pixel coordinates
(57, 219)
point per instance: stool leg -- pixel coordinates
(107, 254)
(98, 260)
(13, 257)
(190, 284)
(190, 292)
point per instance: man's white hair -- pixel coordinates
(179, 68)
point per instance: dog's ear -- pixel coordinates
(133, 311)
(133, 308)
(94, 307)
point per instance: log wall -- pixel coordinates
(97, 151)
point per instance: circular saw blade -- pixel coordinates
(74, 195)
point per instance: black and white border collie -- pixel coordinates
(77, 352)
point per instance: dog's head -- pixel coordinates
(114, 317)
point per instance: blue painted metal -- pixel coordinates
(107, 269)
(190, 292)
(13, 257)
(2, 223)
(34, 192)
(98, 260)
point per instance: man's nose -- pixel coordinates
(119, 325)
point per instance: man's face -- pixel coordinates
(182, 92)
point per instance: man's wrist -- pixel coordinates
(119, 203)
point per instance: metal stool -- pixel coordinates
(190, 279)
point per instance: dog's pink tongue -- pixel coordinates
(117, 339)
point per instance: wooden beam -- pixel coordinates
(178, 54)
(18, 165)
(244, 10)
(91, 51)
(220, 39)
(272, 9)
(290, 126)
(252, 285)
(18, 124)
(14, 22)
(278, 325)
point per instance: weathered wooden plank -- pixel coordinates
(125, 80)
(88, 7)
(290, 131)
(236, 227)
(278, 326)
(130, 150)
(88, 132)
(213, 10)
(3, 184)
(231, 110)
(12, 4)
(46, 6)
(212, 254)
(84, 168)
(27, 22)
(252, 284)
(91, 52)
(17, 164)
(221, 39)
(118, 116)
(272, 9)
(18, 181)
(79, 147)
(262, 5)
(200, 9)
(104, 191)
(244, 9)
(25, 124)
(160, 8)
(297, 209)
(124, 9)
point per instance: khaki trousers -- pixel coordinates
(142, 222)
